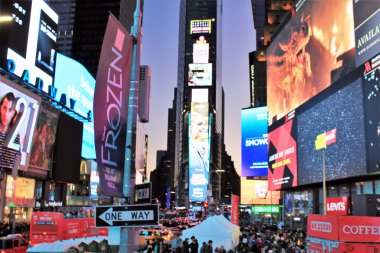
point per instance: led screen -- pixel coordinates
(255, 192)
(199, 145)
(94, 181)
(345, 158)
(74, 80)
(200, 26)
(201, 51)
(314, 49)
(31, 39)
(19, 111)
(254, 143)
(200, 74)
(282, 153)
(367, 29)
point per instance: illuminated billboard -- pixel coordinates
(31, 39)
(201, 51)
(73, 79)
(256, 192)
(254, 142)
(19, 112)
(282, 153)
(199, 145)
(200, 74)
(312, 51)
(343, 139)
(367, 29)
(200, 26)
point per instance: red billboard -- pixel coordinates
(111, 106)
(282, 153)
(359, 229)
(322, 226)
(337, 206)
(235, 209)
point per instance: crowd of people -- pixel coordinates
(7, 228)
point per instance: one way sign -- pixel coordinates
(127, 216)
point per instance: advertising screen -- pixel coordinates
(31, 39)
(345, 158)
(19, 111)
(200, 74)
(43, 140)
(201, 51)
(254, 142)
(200, 26)
(367, 29)
(313, 50)
(74, 80)
(94, 181)
(282, 154)
(199, 145)
(255, 192)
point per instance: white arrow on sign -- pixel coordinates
(111, 216)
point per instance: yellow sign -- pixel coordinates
(320, 141)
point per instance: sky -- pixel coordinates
(160, 52)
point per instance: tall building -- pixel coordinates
(199, 101)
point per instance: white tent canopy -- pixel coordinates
(216, 228)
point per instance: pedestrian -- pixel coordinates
(194, 245)
(209, 248)
(203, 248)
(185, 246)
(221, 249)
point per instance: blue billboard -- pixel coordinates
(74, 80)
(254, 142)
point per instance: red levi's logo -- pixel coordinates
(337, 206)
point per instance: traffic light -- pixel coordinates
(205, 204)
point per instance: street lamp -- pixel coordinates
(6, 18)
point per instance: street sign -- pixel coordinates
(143, 193)
(127, 216)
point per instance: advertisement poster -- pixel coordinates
(282, 154)
(337, 205)
(19, 111)
(254, 146)
(256, 192)
(200, 74)
(111, 108)
(367, 29)
(359, 229)
(199, 145)
(313, 50)
(346, 156)
(323, 226)
(235, 209)
(43, 140)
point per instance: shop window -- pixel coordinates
(355, 189)
(367, 187)
(332, 191)
(344, 190)
(377, 186)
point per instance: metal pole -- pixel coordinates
(324, 181)
(126, 233)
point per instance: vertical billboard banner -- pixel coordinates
(199, 145)
(235, 209)
(282, 153)
(43, 140)
(254, 143)
(312, 51)
(111, 106)
(367, 29)
(19, 112)
(200, 74)
(73, 79)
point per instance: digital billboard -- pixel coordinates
(73, 79)
(312, 51)
(341, 117)
(199, 145)
(201, 51)
(256, 192)
(31, 39)
(367, 29)
(19, 112)
(282, 154)
(200, 74)
(200, 26)
(254, 142)
(371, 85)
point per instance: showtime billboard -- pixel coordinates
(313, 50)
(282, 154)
(254, 145)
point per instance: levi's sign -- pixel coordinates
(337, 206)
(127, 216)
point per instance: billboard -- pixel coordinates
(201, 51)
(254, 142)
(200, 74)
(111, 107)
(200, 26)
(199, 145)
(256, 192)
(282, 154)
(367, 29)
(31, 39)
(346, 156)
(312, 51)
(73, 79)
(371, 83)
(19, 112)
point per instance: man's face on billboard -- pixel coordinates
(6, 112)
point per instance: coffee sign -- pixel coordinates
(337, 206)
(322, 226)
